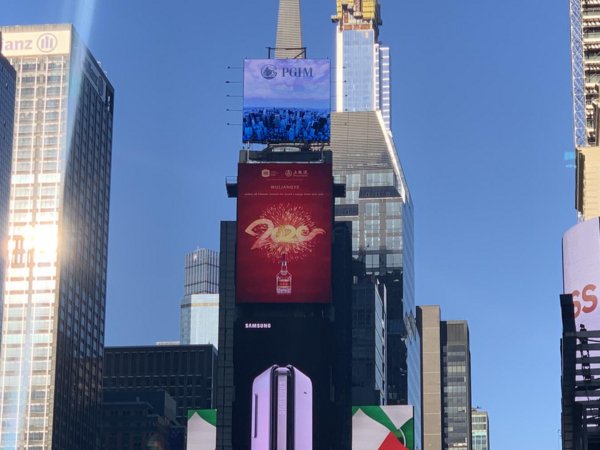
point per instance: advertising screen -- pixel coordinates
(282, 370)
(202, 429)
(581, 271)
(287, 101)
(284, 222)
(383, 428)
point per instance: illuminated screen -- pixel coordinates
(282, 370)
(581, 271)
(383, 428)
(287, 100)
(284, 223)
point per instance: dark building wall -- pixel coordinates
(7, 111)
(456, 385)
(137, 419)
(224, 383)
(84, 256)
(185, 372)
(368, 339)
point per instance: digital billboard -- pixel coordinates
(287, 101)
(581, 271)
(282, 384)
(284, 223)
(202, 429)
(383, 428)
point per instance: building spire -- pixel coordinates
(289, 30)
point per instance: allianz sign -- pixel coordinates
(45, 43)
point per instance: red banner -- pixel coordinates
(284, 222)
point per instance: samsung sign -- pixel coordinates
(36, 43)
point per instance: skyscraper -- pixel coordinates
(54, 303)
(481, 429)
(585, 37)
(378, 201)
(7, 114)
(200, 303)
(456, 385)
(446, 360)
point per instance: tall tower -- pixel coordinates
(200, 303)
(377, 201)
(446, 360)
(585, 65)
(7, 114)
(289, 30)
(53, 314)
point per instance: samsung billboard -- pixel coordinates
(284, 222)
(581, 271)
(282, 384)
(287, 101)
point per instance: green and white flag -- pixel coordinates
(383, 428)
(202, 429)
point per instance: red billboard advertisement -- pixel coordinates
(284, 222)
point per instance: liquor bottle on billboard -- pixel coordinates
(283, 280)
(282, 410)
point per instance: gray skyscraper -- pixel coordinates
(200, 303)
(456, 385)
(446, 362)
(378, 201)
(7, 114)
(54, 303)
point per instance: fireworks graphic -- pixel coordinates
(284, 229)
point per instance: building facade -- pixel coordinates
(185, 372)
(429, 319)
(456, 385)
(369, 347)
(480, 424)
(200, 304)
(54, 302)
(446, 360)
(8, 78)
(140, 420)
(377, 202)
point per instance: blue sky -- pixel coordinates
(481, 118)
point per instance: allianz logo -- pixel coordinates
(269, 71)
(45, 43)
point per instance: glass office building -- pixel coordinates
(200, 303)
(378, 201)
(7, 113)
(54, 299)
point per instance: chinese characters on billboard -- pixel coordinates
(284, 221)
(287, 101)
(581, 271)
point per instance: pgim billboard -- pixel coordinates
(383, 427)
(284, 223)
(581, 271)
(287, 101)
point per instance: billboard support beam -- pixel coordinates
(301, 52)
